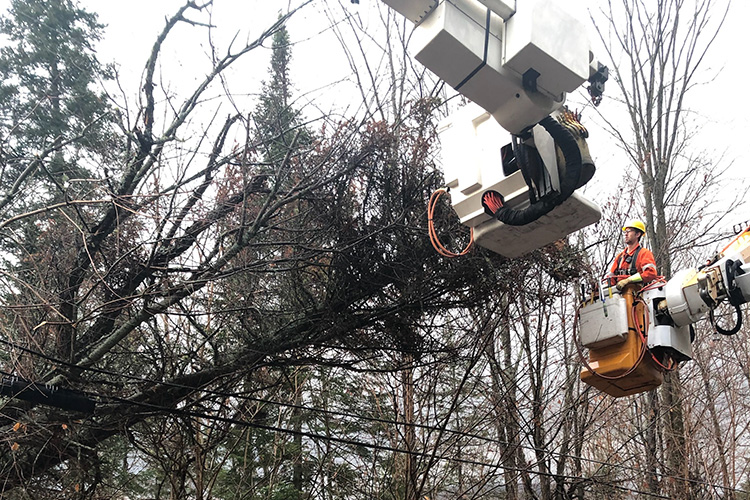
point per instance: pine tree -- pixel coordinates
(278, 127)
(55, 134)
(48, 106)
(276, 120)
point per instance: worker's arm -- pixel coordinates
(646, 265)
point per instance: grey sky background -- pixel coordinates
(318, 61)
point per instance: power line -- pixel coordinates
(13, 386)
(287, 404)
(163, 409)
(318, 410)
(381, 447)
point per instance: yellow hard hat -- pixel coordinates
(635, 224)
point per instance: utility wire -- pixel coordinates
(307, 408)
(296, 406)
(459, 433)
(354, 442)
(349, 415)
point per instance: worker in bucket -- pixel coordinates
(635, 264)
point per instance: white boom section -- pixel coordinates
(516, 61)
(483, 49)
(472, 165)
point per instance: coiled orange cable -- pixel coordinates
(439, 247)
(642, 331)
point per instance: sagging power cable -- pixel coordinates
(184, 411)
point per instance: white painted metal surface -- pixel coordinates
(603, 323)
(514, 241)
(483, 51)
(483, 48)
(472, 164)
(674, 339)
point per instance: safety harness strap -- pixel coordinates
(634, 258)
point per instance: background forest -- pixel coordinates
(231, 264)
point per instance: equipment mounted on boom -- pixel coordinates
(515, 61)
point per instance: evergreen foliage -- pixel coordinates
(55, 123)
(277, 122)
(49, 75)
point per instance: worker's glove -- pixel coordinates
(636, 278)
(492, 201)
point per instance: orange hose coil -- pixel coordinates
(439, 247)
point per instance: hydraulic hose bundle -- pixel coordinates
(492, 201)
(733, 268)
(574, 168)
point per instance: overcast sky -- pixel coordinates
(132, 27)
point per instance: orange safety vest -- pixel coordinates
(640, 261)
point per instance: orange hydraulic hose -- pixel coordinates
(433, 233)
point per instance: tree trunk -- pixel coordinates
(298, 455)
(651, 442)
(411, 483)
(674, 437)
(721, 451)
